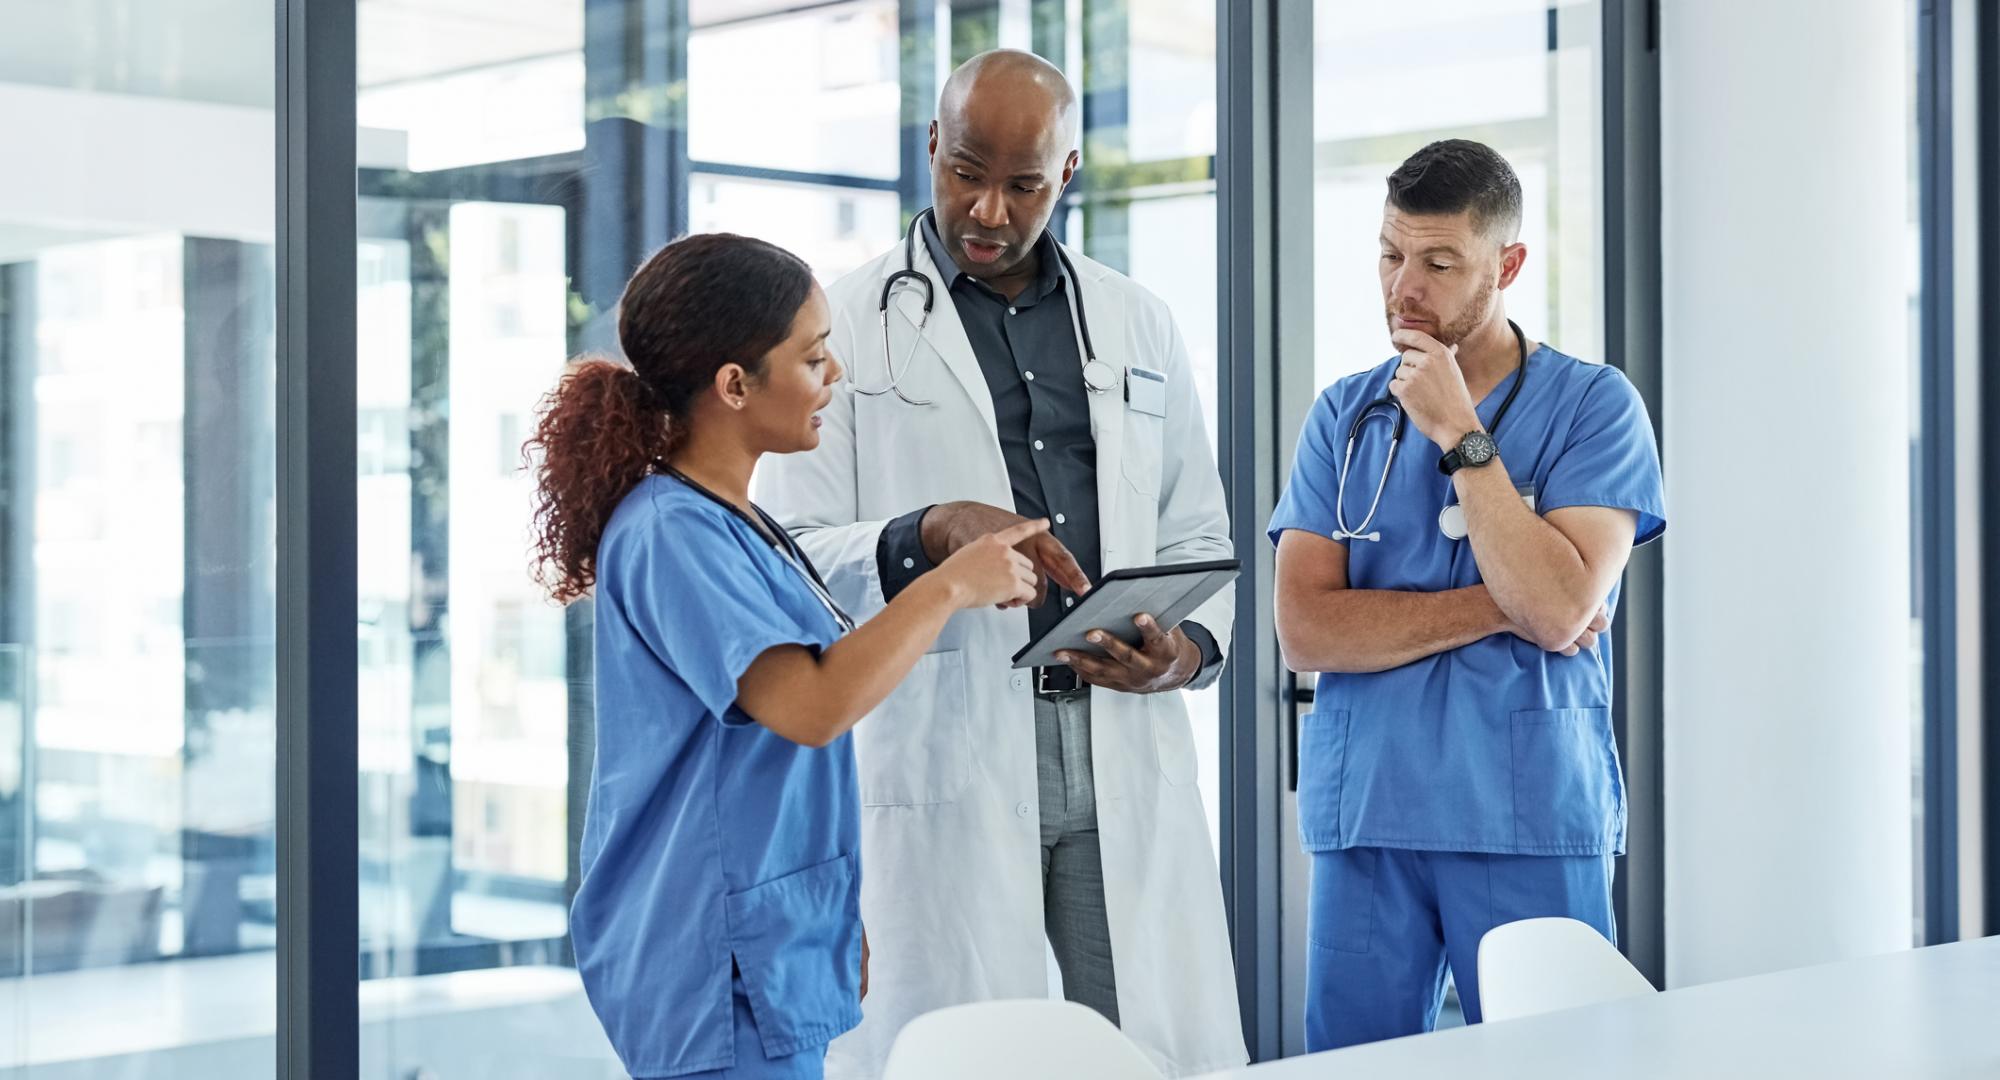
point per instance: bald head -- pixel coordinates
(1003, 148)
(1010, 84)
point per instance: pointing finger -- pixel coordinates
(1012, 535)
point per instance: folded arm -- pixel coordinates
(1550, 576)
(1323, 625)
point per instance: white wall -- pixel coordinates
(1786, 410)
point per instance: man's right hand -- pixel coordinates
(950, 526)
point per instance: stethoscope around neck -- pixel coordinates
(780, 541)
(1098, 377)
(1383, 407)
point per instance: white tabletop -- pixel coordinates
(1924, 1013)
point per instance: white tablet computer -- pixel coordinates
(1167, 593)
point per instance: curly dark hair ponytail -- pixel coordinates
(699, 303)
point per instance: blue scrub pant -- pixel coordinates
(1381, 924)
(751, 1064)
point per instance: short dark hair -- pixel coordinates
(1451, 176)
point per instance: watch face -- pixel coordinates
(1477, 448)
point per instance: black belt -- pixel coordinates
(1061, 681)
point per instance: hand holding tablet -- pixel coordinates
(1167, 593)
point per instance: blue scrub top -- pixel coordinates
(1497, 746)
(709, 839)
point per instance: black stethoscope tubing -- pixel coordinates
(1388, 401)
(781, 542)
(910, 272)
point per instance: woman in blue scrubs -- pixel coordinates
(717, 925)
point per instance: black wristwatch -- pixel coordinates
(1476, 449)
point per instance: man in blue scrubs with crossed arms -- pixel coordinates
(1458, 771)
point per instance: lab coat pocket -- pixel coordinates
(1568, 797)
(1141, 453)
(1173, 740)
(797, 941)
(1322, 772)
(915, 748)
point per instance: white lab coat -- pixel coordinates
(951, 863)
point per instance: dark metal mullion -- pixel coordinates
(1631, 138)
(1937, 483)
(1294, 389)
(318, 924)
(1986, 23)
(1251, 184)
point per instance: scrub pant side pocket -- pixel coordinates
(1340, 914)
(797, 943)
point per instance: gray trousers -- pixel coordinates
(1073, 912)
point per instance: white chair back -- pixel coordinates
(1016, 1040)
(1541, 965)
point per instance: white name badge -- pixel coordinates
(1146, 390)
(1451, 519)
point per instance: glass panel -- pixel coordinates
(137, 540)
(1172, 245)
(444, 83)
(829, 106)
(1171, 100)
(464, 668)
(835, 229)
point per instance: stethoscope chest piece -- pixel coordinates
(1100, 377)
(1451, 522)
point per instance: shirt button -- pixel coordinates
(1011, 311)
(1038, 444)
(1061, 519)
(909, 564)
(1030, 376)
(1018, 682)
(1069, 601)
(1022, 810)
